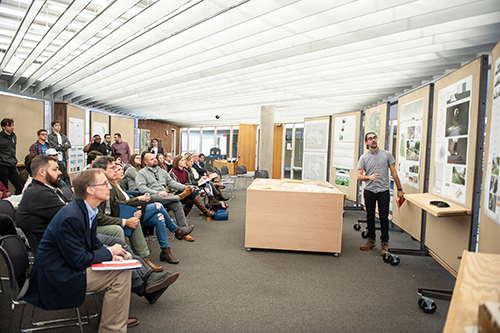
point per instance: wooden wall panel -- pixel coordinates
(247, 140)
(124, 126)
(101, 118)
(277, 151)
(28, 118)
(157, 130)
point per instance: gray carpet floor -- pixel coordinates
(224, 288)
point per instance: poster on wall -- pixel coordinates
(452, 140)
(344, 142)
(76, 160)
(315, 158)
(76, 131)
(342, 177)
(492, 206)
(314, 167)
(410, 141)
(374, 121)
(100, 128)
(137, 139)
(145, 140)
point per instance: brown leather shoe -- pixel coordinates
(370, 244)
(131, 322)
(385, 248)
(154, 267)
(185, 193)
(188, 238)
(167, 256)
(181, 232)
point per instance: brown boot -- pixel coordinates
(181, 232)
(370, 244)
(167, 256)
(219, 186)
(188, 238)
(186, 211)
(154, 267)
(186, 193)
(385, 248)
(213, 202)
(202, 207)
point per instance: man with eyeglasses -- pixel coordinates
(375, 164)
(95, 144)
(41, 145)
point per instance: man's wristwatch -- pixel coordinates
(400, 189)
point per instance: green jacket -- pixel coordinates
(115, 197)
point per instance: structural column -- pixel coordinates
(266, 138)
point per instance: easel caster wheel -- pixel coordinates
(357, 227)
(335, 254)
(364, 234)
(429, 309)
(395, 260)
(249, 249)
(387, 257)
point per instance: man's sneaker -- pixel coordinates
(385, 248)
(370, 244)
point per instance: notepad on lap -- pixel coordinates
(116, 265)
(125, 213)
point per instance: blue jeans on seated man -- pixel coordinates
(156, 216)
(371, 199)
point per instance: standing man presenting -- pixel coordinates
(62, 271)
(375, 164)
(41, 145)
(155, 149)
(121, 147)
(60, 142)
(8, 160)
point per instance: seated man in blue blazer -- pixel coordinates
(62, 271)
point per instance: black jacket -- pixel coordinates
(8, 149)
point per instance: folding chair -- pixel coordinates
(15, 255)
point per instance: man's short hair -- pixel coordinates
(118, 135)
(154, 139)
(96, 135)
(92, 155)
(41, 131)
(39, 162)
(55, 122)
(102, 162)
(366, 135)
(7, 122)
(201, 155)
(82, 181)
(107, 134)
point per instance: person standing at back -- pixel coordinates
(107, 143)
(61, 144)
(121, 147)
(155, 148)
(375, 164)
(8, 160)
(41, 145)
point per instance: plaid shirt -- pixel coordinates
(37, 147)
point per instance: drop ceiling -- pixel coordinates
(185, 62)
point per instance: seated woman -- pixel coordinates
(154, 216)
(131, 169)
(181, 175)
(161, 162)
(213, 197)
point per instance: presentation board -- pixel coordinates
(75, 123)
(376, 121)
(316, 139)
(97, 122)
(345, 152)
(413, 115)
(124, 126)
(489, 225)
(451, 176)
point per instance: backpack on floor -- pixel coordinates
(220, 215)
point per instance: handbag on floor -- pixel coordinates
(220, 215)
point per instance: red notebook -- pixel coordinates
(116, 265)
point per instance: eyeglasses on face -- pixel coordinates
(105, 183)
(371, 138)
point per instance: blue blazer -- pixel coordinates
(58, 279)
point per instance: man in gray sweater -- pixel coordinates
(154, 180)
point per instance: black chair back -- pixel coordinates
(7, 208)
(261, 174)
(214, 151)
(7, 225)
(16, 258)
(123, 183)
(67, 191)
(216, 170)
(224, 170)
(241, 170)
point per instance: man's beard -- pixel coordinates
(55, 182)
(155, 164)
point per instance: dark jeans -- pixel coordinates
(382, 198)
(10, 174)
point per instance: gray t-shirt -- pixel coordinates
(376, 163)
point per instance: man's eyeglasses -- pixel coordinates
(371, 138)
(105, 183)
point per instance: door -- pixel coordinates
(247, 142)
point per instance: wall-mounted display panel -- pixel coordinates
(316, 139)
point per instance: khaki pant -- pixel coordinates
(116, 302)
